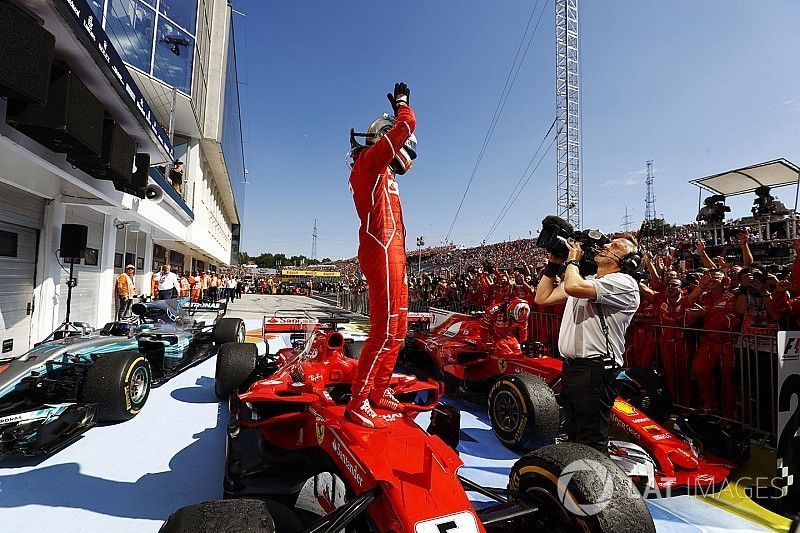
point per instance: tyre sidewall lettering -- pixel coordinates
(516, 438)
(129, 406)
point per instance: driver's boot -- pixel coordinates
(361, 413)
(387, 401)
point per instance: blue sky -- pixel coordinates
(699, 87)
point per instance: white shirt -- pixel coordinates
(581, 333)
(167, 281)
(231, 283)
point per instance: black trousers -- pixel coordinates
(588, 391)
(123, 307)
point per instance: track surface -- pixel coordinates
(131, 476)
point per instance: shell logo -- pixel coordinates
(320, 431)
(624, 407)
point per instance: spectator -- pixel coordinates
(168, 283)
(176, 177)
(126, 287)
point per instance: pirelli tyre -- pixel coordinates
(577, 488)
(523, 412)
(353, 348)
(235, 362)
(645, 389)
(119, 383)
(233, 516)
(229, 330)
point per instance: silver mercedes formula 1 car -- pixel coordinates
(61, 388)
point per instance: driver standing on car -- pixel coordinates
(592, 357)
(390, 148)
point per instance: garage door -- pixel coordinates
(17, 275)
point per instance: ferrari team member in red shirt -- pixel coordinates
(389, 151)
(716, 307)
(671, 305)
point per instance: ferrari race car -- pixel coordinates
(298, 322)
(61, 388)
(294, 463)
(521, 389)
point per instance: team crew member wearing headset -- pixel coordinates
(592, 357)
(390, 147)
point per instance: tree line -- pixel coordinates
(267, 260)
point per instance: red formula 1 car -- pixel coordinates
(521, 390)
(294, 463)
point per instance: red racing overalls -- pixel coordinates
(382, 256)
(716, 351)
(674, 352)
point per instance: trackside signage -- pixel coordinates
(89, 29)
(788, 452)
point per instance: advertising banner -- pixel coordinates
(311, 273)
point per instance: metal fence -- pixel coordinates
(733, 375)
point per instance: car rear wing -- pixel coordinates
(298, 321)
(420, 321)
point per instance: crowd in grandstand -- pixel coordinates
(710, 317)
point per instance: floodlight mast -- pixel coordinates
(569, 205)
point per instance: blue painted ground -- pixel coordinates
(131, 476)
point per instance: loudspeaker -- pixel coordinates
(115, 162)
(138, 183)
(27, 53)
(154, 193)
(72, 120)
(73, 240)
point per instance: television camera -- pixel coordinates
(714, 210)
(767, 206)
(556, 233)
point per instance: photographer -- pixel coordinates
(591, 343)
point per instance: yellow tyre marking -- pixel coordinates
(524, 411)
(128, 402)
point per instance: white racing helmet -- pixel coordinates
(402, 158)
(520, 310)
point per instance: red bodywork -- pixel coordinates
(455, 348)
(416, 472)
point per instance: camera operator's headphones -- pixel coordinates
(631, 262)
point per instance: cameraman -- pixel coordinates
(592, 358)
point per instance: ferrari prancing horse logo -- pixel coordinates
(320, 431)
(503, 364)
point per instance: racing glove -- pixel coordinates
(400, 96)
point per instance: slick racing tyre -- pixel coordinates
(233, 516)
(229, 330)
(119, 383)
(523, 412)
(235, 362)
(646, 390)
(353, 349)
(577, 488)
